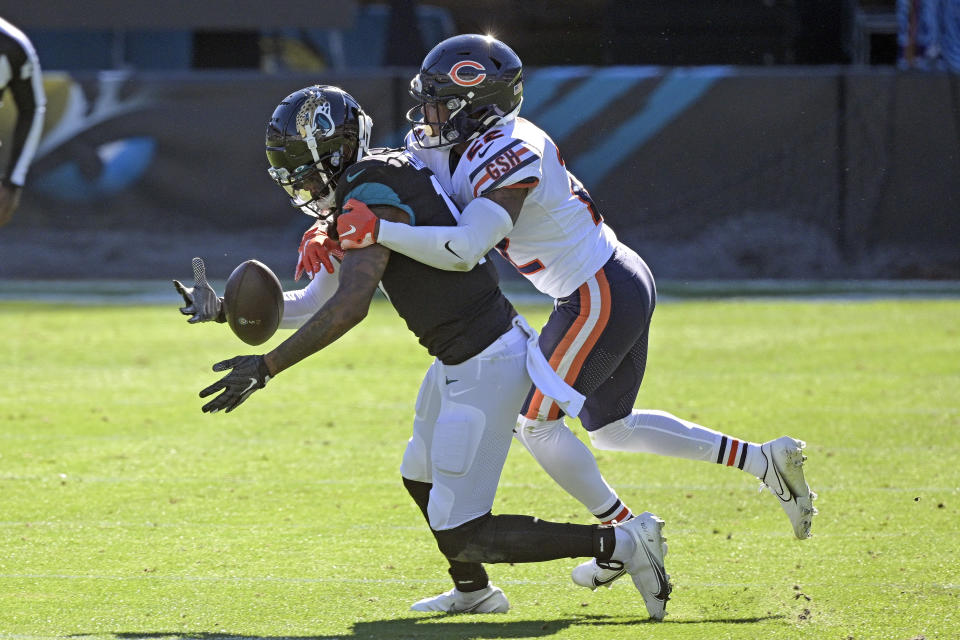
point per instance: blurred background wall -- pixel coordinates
(744, 139)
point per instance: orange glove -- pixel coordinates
(357, 226)
(315, 249)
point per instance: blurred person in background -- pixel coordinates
(928, 36)
(20, 73)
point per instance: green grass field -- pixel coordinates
(127, 513)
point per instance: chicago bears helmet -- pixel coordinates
(312, 137)
(477, 78)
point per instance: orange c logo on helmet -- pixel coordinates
(467, 82)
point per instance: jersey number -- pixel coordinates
(526, 269)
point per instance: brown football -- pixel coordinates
(254, 302)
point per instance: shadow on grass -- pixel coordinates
(444, 628)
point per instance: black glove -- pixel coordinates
(202, 302)
(249, 374)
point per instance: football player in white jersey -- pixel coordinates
(20, 73)
(515, 193)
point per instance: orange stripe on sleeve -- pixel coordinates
(476, 187)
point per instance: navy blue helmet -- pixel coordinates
(312, 137)
(477, 78)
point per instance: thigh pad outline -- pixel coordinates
(456, 438)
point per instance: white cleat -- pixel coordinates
(784, 478)
(488, 600)
(593, 574)
(646, 566)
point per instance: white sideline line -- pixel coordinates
(247, 526)
(102, 291)
(748, 486)
(208, 525)
(174, 578)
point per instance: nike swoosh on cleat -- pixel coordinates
(602, 583)
(662, 583)
(446, 245)
(349, 232)
(784, 488)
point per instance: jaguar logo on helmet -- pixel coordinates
(464, 80)
(314, 117)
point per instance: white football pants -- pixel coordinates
(463, 428)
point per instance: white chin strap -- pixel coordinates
(363, 135)
(510, 117)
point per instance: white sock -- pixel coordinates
(473, 596)
(665, 434)
(568, 461)
(625, 547)
(743, 455)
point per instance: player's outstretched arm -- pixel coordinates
(483, 223)
(359, 275)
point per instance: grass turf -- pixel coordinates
(126, 513)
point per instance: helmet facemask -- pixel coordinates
(440, 133)
(314, 135)
(311, 187)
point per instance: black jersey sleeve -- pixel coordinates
(397, 179)
(375, 182)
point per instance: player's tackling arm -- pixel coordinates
(484, 222)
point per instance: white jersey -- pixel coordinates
(559, 240)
